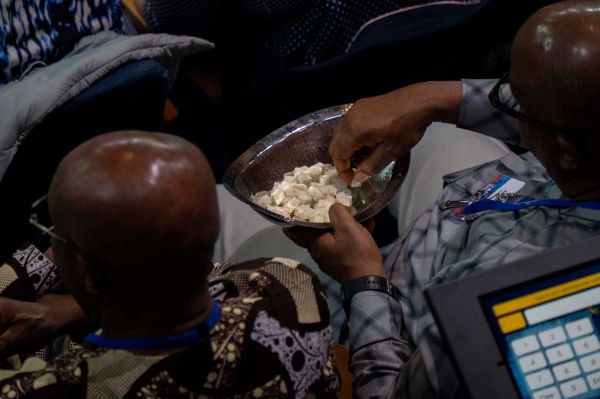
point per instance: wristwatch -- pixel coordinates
(366, 283)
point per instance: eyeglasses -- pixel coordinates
(510, 107)
(39, 206)
(39, 211)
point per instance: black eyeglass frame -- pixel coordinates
(494, 98)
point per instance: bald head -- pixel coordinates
(143, 203)
(556, 64)
(554, 77)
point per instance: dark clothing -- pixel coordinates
(301, 32)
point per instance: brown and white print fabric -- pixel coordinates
(272, 340)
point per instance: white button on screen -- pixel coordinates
(548, 393)
(532, 362)
(591, 362)
(579, 328)
(594, 380)
(586, 345)
(539, 379)
(552, 337)
(559, 353)
(573, 388)
(525, 345)
(566, 370)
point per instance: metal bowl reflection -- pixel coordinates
(305, 141)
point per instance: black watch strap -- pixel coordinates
(365, 283)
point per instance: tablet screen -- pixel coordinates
(548, 331)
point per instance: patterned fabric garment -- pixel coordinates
(272, 340)
(304, 32)
(196, 17)
(45, 30)
(328, 27)
(32, 273)
(183, 17)
(396, 349)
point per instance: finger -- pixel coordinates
(303, 237)
(344, 169)
(341, 219)
(343, 143)
(323, 245)
(347, 176)
(376, 161)
(324, 242)
(341, 148)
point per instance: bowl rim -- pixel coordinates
(248, 157)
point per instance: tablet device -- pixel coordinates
(529, 329)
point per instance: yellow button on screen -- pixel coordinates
(512, 322)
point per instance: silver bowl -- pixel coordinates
(305, 141)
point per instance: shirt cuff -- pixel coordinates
(374, 316)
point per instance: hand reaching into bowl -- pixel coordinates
(389, 126)
(298, 144)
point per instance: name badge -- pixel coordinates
(501, 188)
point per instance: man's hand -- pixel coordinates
(28, 326)
(390, 125)
(347, 252)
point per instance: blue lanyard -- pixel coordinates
(186, 338)
(488, 205)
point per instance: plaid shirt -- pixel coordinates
(396, 350)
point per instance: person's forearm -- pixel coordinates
(28, 326)
(465, 104)
(441, 100)
(64, 312)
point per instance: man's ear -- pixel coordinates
(568, 156)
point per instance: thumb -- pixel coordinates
(340, 218)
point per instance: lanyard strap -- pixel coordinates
(488, 205)
(170, 341)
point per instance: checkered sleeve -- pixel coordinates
(378, 351)
(477, 114)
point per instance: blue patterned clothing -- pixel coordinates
(45, 30)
